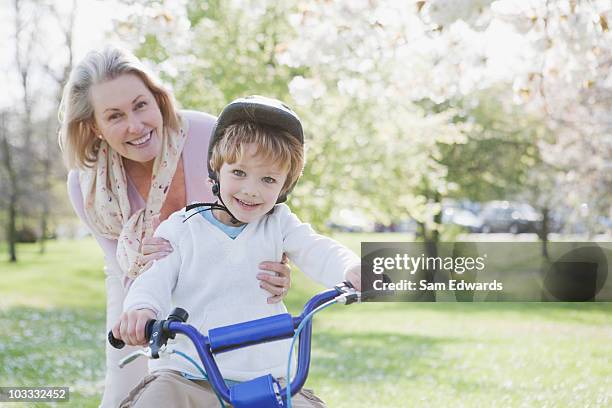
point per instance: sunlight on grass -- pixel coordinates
(69, 274)
(369, 355)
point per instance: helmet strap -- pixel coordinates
(216, 189)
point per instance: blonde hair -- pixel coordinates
(77, 138)
(275, 145)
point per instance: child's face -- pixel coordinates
(249, 187)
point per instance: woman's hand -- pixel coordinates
(277, 284)
(154, 248)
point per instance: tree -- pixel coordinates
(60, 74)
(213, 52)
(13, 185)
(404, 103)
(30, 161)
(562, 77)
(25, 19)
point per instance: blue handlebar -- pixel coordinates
(262, 391)
(250, 333)
(254, 332)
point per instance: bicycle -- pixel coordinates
(260, 392)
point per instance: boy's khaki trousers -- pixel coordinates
(168, 388)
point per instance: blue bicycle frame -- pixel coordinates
(261, 392)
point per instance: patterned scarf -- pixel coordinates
(105, 197)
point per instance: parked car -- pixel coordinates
(556, 222)
(407, 225)
(604, 225)
(504, 216)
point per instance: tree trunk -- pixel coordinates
(12, 230)
(43, 226)
(46, 190)
(431, 240)
(14, 191)
(544, 231)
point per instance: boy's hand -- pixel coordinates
(131, 326)
(353, 275)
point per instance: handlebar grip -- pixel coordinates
(149, 329)
(116, 343)
(119, 344)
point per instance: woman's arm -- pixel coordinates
(109, 247)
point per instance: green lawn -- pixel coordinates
(369, 355)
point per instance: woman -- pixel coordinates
(133, 161)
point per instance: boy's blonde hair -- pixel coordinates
(275, 145)
(77, 137)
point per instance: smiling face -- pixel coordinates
(249, 187)
(127, 117)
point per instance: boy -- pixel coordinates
(256, 156)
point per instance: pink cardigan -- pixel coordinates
(197, 187)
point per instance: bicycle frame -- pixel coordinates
(264, 391)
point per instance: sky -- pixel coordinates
(93, 20)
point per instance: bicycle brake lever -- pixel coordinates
(133, 356)
(348, 298)
(344, 287)
(348, 294)
(158, 333)
(146, 352)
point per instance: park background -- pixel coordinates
(419, 115)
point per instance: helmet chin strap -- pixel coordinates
(216, 189)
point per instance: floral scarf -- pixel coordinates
(105, 198)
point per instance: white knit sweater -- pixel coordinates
(214, 278)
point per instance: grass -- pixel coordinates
(69, 275)
(370, 355)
